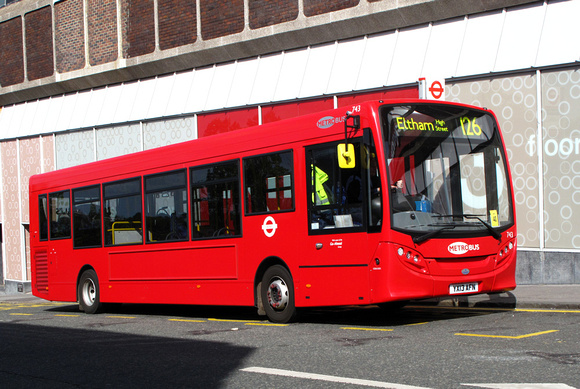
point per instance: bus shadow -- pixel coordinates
(72, 358)
(372, 315)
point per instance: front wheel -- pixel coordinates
(88, 292)
(277, 294)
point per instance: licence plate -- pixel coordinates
(470, 287)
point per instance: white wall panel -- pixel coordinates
(444, 49)
(7, 129)
(559, 42)
(83, 105)
(479, 49)
(346, 66)
(15, 126)
(199, 89)
(317, 71)
(376, 61)
(51, 120)
(220, 86)
(515, 52)
(144, 100)
(180, 91)
(66, 112)
(269, 67)
(243, 82)
(291, 75)
(110, 104)
(26, 128)
(42, 112)
(160, 91)
(6, 115)
(127, 99)
(409, 55)
(98, 97)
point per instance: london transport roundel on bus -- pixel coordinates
(269, 226)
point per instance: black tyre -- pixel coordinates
(278, 295)
(89, 293)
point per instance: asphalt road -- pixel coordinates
(55, 345)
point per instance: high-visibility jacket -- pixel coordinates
(319, 197)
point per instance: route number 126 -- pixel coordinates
(470, 126)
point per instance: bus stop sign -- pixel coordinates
(432, 88)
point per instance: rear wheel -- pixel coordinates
(88, 292)
(277, 294)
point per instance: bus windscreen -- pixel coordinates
(447, 171)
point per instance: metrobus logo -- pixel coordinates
(459, 248)
(329, 121)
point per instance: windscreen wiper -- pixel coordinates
(493, 232)
(432, 234)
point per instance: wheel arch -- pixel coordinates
(264, 265)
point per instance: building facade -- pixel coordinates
(84, 80)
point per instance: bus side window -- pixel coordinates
(337, 195)
(269, 183)
(166, 206)
(42, 217)
(122, 212)
(59, 211)
(87, 217)
(215, 201)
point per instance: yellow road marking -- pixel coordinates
(417, 324)
(508, 337)
(62, 315)
(534, 310)
(235, 321)
(121, 317)
(266, 324)
(547, 310)
(188, 320)
(21, 314)
(366, 329)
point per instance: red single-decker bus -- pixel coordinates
(381, 202)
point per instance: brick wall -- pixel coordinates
(11, 52)
(39, 54)
(221, 17)
(102, 21)
(269, 12)
(140, 33)
(317, 7)
(177, 23)
(69, 35)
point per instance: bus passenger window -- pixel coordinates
(166, 207)
(42, 217)
(215, 201)
(86, 217)
(59, 215)
(122, 212)
(269, 183)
